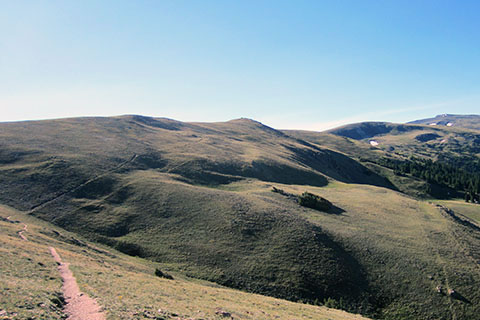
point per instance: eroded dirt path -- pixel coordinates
(20, 233)
(79, 306)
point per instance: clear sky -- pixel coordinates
(289, 64)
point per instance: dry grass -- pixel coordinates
(123, 285)
(407, 247)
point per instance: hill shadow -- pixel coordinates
(207, 172)
(336, 210)
(338, 166)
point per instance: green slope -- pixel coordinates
(150, 187)
(241, 240)
(407, 248)
(58, 155)
(197, 198)
(124, 286)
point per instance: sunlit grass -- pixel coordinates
(124, 286)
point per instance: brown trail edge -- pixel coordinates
(79, 306)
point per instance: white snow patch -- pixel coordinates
(374, 143)
(432, 124)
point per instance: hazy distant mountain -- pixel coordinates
(462, 121)
(365, 130)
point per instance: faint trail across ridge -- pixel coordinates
(44, 203)
(79, 306)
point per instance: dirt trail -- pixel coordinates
(20, 233)
(78, 306)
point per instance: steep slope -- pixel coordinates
(125, 287)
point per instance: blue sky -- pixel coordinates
(290, 64)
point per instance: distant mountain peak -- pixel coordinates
(466, 121)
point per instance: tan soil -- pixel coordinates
(20, 233)
(79, 306)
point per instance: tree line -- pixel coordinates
(462, 175)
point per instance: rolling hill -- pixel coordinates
(197, 198)
(126, 287)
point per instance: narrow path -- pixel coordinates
(20, 233)
(79, 306)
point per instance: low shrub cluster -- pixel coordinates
(307, 199)
(313, 201)
(161, 274)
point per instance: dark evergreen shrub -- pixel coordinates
(161, 274)
(313, 201)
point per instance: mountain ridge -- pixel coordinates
(198, 198)
(470, 121)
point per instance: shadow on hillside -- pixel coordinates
(459, 297)
(336, 210)
(338, 166)
(207, 172)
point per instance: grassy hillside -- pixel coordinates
(365, 130)
(407, 248)
(470, 211)
(153, 188)
(238, 239)
(124, 286)
(197, 198)
(400, 140)
(43, 159)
